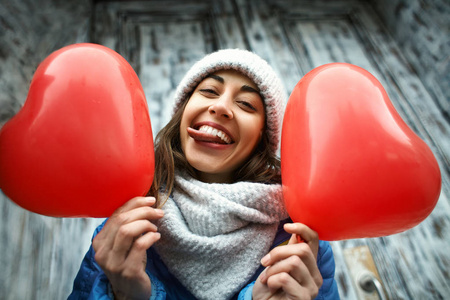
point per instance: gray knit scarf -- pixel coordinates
(214, 235)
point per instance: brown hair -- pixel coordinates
(262, 166)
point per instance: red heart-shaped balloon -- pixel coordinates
(82, 144)
(351, 167)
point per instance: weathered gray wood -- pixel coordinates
(422, 30)
(161, 39)
(39, 256)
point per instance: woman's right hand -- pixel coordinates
(121, 247)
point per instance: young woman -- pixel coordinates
(220, 230)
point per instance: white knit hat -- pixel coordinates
(255, 68)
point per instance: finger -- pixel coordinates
(134, 241)
(285, 282)
(292, 265)
(305, 234)
(128, 233)
(122, 215)
(291, 287)
(135, 203)
(139, 213)
(112, 257)
(141, 245)
(282, 252)
(295, 239)
(299, 270)
(303, 251)
(107, 235)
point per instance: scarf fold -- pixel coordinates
(214, 235)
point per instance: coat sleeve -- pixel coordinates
(91, 282)
(325, 262)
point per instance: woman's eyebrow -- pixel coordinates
(247, 88)
(216, 77)
(244, 88)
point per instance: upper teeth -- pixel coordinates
(213, 131)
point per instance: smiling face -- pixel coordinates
(221, 125)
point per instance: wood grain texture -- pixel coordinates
(162, 39)
(39, 256)
(422, 31)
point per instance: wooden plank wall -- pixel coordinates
(422, 31)
(161, 39)
(39, 256)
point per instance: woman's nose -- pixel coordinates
(222, 107)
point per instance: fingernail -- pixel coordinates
(262, 276)
(151, 200)
(265, 260)
(159, 212)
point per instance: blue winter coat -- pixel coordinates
(91, 283)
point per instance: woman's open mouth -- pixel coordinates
(209, 134)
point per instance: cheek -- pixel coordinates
(258, 128)
(255, 132)
(184, 124)
(191, 111)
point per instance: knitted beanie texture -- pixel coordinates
(252, 66)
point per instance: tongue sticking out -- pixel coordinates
(202, 136)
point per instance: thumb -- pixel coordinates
(295, 230)
(303, 234)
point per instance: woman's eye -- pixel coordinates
(209, 92)
(247, 105)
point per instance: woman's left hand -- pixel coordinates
(291, 270)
